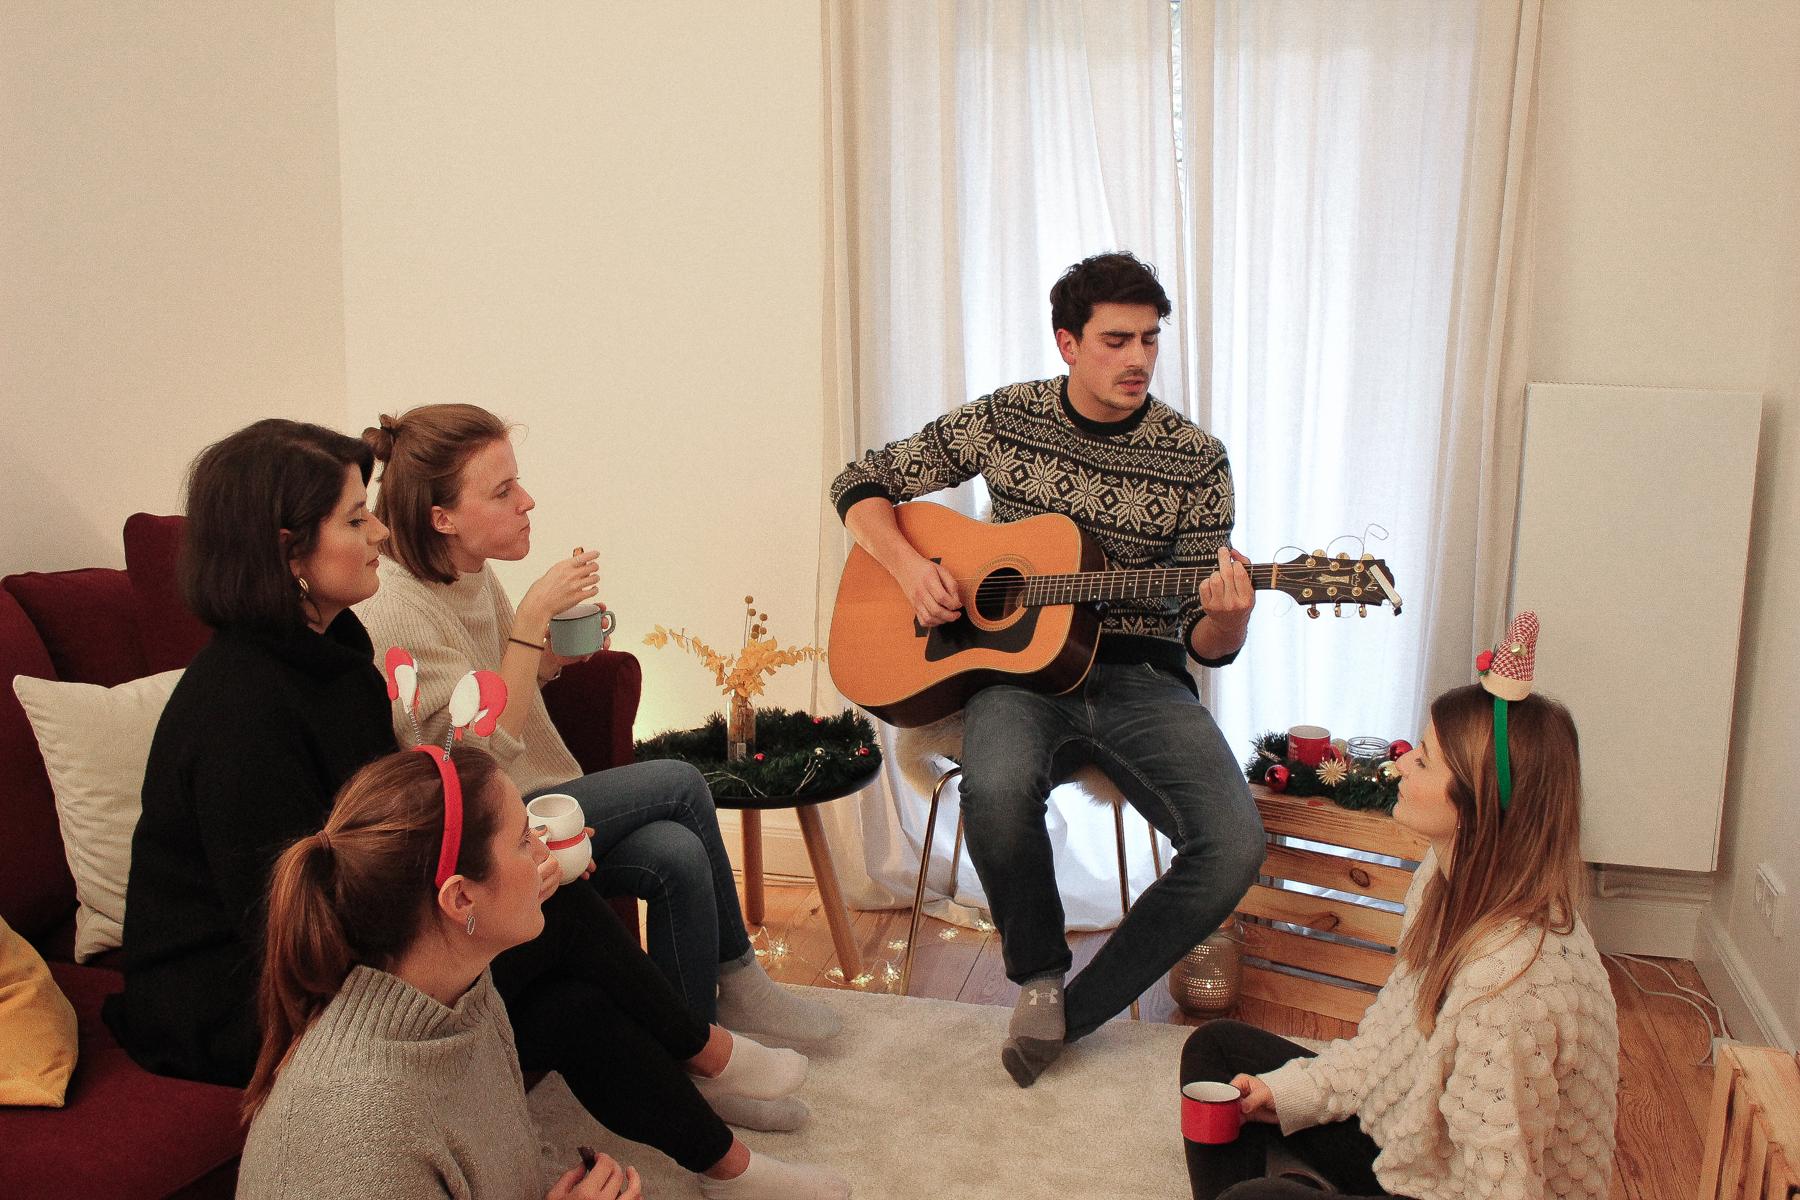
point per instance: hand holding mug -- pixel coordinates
(567, 583)
(1258, 1103)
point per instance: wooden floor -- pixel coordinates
(1662, 1093)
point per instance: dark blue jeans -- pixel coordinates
(656, 837)
(1146, 730)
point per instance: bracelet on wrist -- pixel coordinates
(538, 646)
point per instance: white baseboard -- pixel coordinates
(1749, 1012)
(784, 850)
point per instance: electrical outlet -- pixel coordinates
(1770, 897)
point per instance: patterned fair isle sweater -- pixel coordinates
(1153, 489)
(389, 1093)
(452, 629)
(1513, 1095)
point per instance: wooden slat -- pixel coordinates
(1376, 880)
(1737, 1148)
(1317, 954)
(1725, 1082)
(1756, 1172)
(1318, 819)
(1343, 1003)
(1316, 912)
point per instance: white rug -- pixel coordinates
(911, 1101)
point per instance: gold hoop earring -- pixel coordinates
(305, 588)
(471, 925)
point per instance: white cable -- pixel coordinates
(1724, 1030)
(1688, 997)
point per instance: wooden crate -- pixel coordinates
(1752, 1126)
(1325, 954)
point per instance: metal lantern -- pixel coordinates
(1205, 982)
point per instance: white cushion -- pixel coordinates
(95, 742)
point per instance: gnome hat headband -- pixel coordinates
(475, 705)
(1507, 673)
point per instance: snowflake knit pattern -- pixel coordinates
(1153, 489)
(1514, 1094)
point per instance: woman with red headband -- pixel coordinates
(270, 719)
(1489, 1063)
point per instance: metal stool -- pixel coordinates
(1091, 777)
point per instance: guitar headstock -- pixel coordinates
(1318, 578)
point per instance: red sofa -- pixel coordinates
(123, 1132)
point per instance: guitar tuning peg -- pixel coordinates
(1367, 558)
(1362, 610)
(1312, 610)
(1343, 558)
(1337, 610)
(1318, 554)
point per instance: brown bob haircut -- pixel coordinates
(242, 492)
(423, 452)
(1116, 278)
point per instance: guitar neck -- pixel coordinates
(1092, 587)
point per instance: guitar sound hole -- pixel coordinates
(997, 596)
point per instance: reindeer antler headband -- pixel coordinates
(475, 705)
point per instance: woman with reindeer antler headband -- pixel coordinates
(1489, 1063)
(268, 722)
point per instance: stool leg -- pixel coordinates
(918, 912)
(956, 858)
(1124, 880)
(818, 850)
(753, 867)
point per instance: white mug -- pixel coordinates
(560, 817)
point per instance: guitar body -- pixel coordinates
(887, 663)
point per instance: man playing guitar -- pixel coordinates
(1154, 490)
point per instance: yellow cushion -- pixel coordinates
(37, 1027)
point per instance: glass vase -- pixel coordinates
(1205, 982)
(740, 729)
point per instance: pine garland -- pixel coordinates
(1364, 790)
(796, 753)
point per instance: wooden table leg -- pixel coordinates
(818, 851)
(753, 869)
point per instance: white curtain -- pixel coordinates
(1331, 193)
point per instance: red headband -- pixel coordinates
(453, 812)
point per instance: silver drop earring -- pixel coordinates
(471, 925)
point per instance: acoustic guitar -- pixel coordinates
(1031, 592)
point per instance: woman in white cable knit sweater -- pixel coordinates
(1488, 1065)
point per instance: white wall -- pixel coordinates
(1668, 230)
(605, 223)
(169, 252)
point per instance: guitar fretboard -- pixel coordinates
(1089, 587)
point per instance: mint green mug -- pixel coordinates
(579, 631)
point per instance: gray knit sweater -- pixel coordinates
(389, 1093)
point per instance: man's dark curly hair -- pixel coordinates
(1115, 278)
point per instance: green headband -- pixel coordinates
(1502, 755)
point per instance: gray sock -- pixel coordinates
(1035, 1034)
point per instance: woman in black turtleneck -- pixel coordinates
(269, 719)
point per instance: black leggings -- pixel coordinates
(585, 1001)
(1341, 1152)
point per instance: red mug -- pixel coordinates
(1309, 744)
(1210, 1114)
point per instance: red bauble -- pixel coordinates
(1484, 661)
(1276, 778)
(1398, 750)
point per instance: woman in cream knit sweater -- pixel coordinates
(451, 498)
(1488, 1066)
